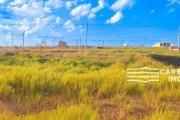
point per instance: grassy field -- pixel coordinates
(69, 84)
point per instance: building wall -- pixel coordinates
(62, 44)
(157, 45)
(166, 44)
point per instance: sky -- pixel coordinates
(106, 22)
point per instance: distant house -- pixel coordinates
(162, 45)
(126, 45)
(173, 48)
(62, 44)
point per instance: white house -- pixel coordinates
(162, 44)
(126, 45)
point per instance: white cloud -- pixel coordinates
(92, 15)
(69, 26)
(99, 7)
(25, 25)
(45, 20)
(4, 27)
(96, 9)
(2, 1)
(58, 19)
(31, 25)
(121, 4)
(171, 10)
(47, 9)
(32, 16)
(54, 3)
(41, 23)
(173, 2)
(18, 2)
(152, 11)
(70, 3)
(80, 11)
(56, 34)
(82, 30)
(34, 9)
(118, 16)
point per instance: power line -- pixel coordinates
(119, 25)
(92, 24)
(112, 36)
(89, 35)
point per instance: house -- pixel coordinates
(173, 48)
(62, 44)
(126, 45)
(162, 44)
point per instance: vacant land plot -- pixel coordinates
(70, 84)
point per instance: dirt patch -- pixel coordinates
(61, 54)
(139, 110)
(110, 112)
(4, 107)
(107, 111)
(24, 108)
(175, 106)
(118, 111)
(114, 112)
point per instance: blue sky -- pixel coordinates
(112, 22)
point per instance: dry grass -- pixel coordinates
(53, 83)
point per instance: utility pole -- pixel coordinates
(23, 38)
(143, 43)
(122, 42)
(45, 42)
(86, 38)
(80, 43)
(76, 42)
(37, 37)
(12, 40)
(37, 42)
(179, 40)
(2, 40)
(54, 42)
